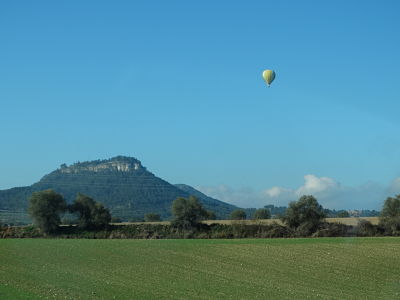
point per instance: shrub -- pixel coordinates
(151, 217)
(390, 216)
(45, 208)
(211, 215)
(343, 214)
(390, 225)
(238, 214)
(366, 228)
(187, 213)
(262, 213)
(116, 220)
(304, 216)
(276, 230)
(92, 214)
(332, 230)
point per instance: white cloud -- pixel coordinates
(277, 195)
(329, 192)
(394, 187)
(242, 197)
(274, 191)
(314, 185)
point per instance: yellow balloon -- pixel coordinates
(268, 76)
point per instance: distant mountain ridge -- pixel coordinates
(121, 183)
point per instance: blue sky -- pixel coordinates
(178, 85)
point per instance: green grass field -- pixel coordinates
(327, 268)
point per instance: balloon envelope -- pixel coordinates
(268, 76)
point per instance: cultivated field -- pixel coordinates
(324, 268)
(24, 218)
(347, 221)
(14, 217)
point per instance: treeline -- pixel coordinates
(279, 211)
(302, 218)
(45, 208)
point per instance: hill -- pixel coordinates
(121, 183)
(221, 208)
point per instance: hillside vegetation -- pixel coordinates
(121, 183)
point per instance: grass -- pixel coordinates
(328, 268)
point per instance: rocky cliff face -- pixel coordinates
(115, 164)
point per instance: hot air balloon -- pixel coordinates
(268, 76)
